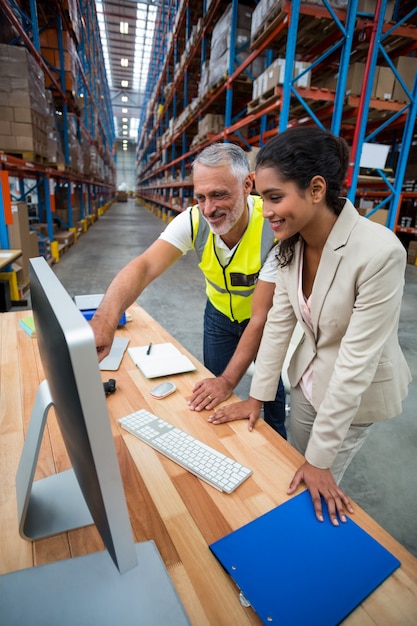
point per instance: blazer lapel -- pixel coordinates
(332, 254)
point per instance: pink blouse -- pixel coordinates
(306, 382)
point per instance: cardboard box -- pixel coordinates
(304, 81)
(22, 115)
(212, 123)
(384, 86)
(369, 6)
(33, 244)
(65, 237)
(19, 238)
(355, 78)
(263, 11)
(407, 69)
(7, 142)
(252, 157)
(6, 114)
(5, 127)
(354, 82)
(380, 216)
(274, 75)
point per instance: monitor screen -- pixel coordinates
(75, 388)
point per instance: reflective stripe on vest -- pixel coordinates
(230, 288)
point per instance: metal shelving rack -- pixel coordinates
(334, 37)
(91, 109)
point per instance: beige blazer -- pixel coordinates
(359, 373)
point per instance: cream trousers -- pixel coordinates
(302, 416)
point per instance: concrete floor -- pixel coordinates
(382, 478)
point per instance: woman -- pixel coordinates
(342, 277)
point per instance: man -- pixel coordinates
(232, 241)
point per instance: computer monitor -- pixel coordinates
(87, 589)
(92, 491)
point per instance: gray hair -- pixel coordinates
(230, 154)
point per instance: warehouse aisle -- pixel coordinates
(381, 479)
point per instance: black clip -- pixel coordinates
(110, 386)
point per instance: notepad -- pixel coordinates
(28, 325)
(293, 569)
(164, 359)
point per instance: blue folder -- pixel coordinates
(297, 571)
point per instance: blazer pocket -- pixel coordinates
(384, 371)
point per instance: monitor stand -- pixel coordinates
(90, 591)
(52, 505)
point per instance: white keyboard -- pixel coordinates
(212, 466)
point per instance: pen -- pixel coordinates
(148, 351)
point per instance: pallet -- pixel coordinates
(33, 157)
(266, 98)
(270, 22)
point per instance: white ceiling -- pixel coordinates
(127, 82)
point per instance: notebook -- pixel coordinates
(112, 361)
(293, 569)
(89, 303)
(162, 359)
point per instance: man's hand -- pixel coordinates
(320, 483)
(103, 335)
(247, 409)
(209, 392)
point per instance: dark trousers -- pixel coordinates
(221, 337)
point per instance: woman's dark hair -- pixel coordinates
(299, 154)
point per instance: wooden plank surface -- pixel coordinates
(179, 512)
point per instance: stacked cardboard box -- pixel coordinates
(21, 238)
(274, 75)
(369, 6)
(212, 123)
(50, 52)
(252, 157)
(121, 196)
(220, 44)
(412, 253)
(23, 105)
(382, 86)
(76, 158)
(61, 204)
(407, 69)
(263, 13)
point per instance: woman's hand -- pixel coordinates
(247, 409)
(209, 392)
(321, 484)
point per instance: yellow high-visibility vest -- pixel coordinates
(230, 288)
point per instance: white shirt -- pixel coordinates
(178, 234)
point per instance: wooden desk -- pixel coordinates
(8, 256)
(182, 514)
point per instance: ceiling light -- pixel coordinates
(125, 98)
(124, 83)
(124, 126)
(144, 33)
(124, 28)
(103, 37)
(125, 132)
(124, 119)
(124, 62)
(134, 124)
(125, 110)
